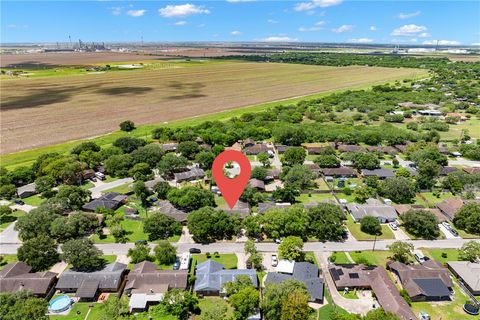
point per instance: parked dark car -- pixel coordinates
(195, 250)
(176, 265)
(18, 201)
(141, 242)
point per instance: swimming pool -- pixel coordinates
(60, 304)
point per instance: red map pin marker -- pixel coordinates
(231, 188)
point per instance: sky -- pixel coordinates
(403, 22)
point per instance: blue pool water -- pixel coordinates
(60, 304)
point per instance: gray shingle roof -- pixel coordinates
(111, 200)
(382, 212)
(109, 277)
(167, 208)
(192, 174)
(381, 173)
(211, 276)
(305, 272)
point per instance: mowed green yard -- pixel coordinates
(201, 89)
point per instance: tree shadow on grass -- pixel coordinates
(186, 90)
(120, 91)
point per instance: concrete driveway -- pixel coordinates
(9, 235)
(447, 232)
(399, 234)
(100, 187)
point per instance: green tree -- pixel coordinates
(127, 126)
(142, 192)
(188, 149)
(119, 165)
(114, 308)
(327, 161)
(205, 159)
(264, 159)
(207, 225)
(401, 251)
(160, 226)
(468, 218)
(275, 297)
(165, 252)
(180, 303)
(191, 198)
(72, 196)
(291, 248)
(151, 154)
(289, 136)
(162, 188)
(82, 255)
(293, 156)
(325, 222)
(240, 282)
(5, 213)
(139, 253)
(40, 253)
(295, 306)
(286, 194)
(470, 251)
(21, 176)
(85, 146)
(172, 163)
(36, 223)
(22, 305)
(284, 222)
(299, 177)
(44, 185)
(366, 161)
(380, 314)
(129, 144)
(362, 194)
(398, 189)
(259, 173)
(371, 225)
(141, 171)
(244, 302)
(7, 191)
(428, 171)
(421, 224)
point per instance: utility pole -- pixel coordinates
(374, 242)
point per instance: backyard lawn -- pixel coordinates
(447, 309)
(360, 235)
(123, 189)
(78, 311)
(208, 303)
(325, 312)
(433, 200)
(318, 197)
(436, 254)
(349, 197)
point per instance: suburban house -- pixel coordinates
(403, 208)
(17, 276)
(382, 149)
(273, 174)
(146, 285)
(240, 208)
(88, 174)
(343, 172)
(169, 147)
(249, 142)
(87, 285)
(167, 208)
(468, 273)
(256, 149)
(354, 276)
(315, 168)
(305, 272)
(384, 213)
(446, 170)
(449, 207)
(381, 173)
(237, 146)
(27, 190)
(257, 184)
(211, 276)
(111, 200)
(474, 170)
(429, 281)
(281, 148)
(351, 148)
(192, 174)
(150, 184)
(265, 206)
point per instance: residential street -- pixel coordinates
(235, 247)
(97, 190)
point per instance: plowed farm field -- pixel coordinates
(48, 110)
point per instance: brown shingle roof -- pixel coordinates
(145, 278)
(449, 207)
(339, 172)
(350, 148)
(474, 170)
(16, 276)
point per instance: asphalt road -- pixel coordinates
(237, 247)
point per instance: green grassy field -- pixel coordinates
(6, 259)
(208, 303)
(229, 260)
(455, 132)
(35, 200)
(318, 197)
(340, 258)
(378, 258)
(436, 254)
(27, 157)
(13, 217)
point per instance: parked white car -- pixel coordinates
(393, 225)
(274, 260)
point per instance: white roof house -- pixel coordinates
(285, 266)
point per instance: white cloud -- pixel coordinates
(310, 29)
(409, 30)
(320, 23)
(424, 35)
(237, 1)
(343, 28)
(408, 15)
(116, 11)
(235, 33)
(279, 39)
(272, 21)
(136, 13)
(307, 6)
(18, 26)
(180, 23)
(361, 40)
(413, 40)
(442, 42)
(373, 28)
(476, 44)
(182, 10)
